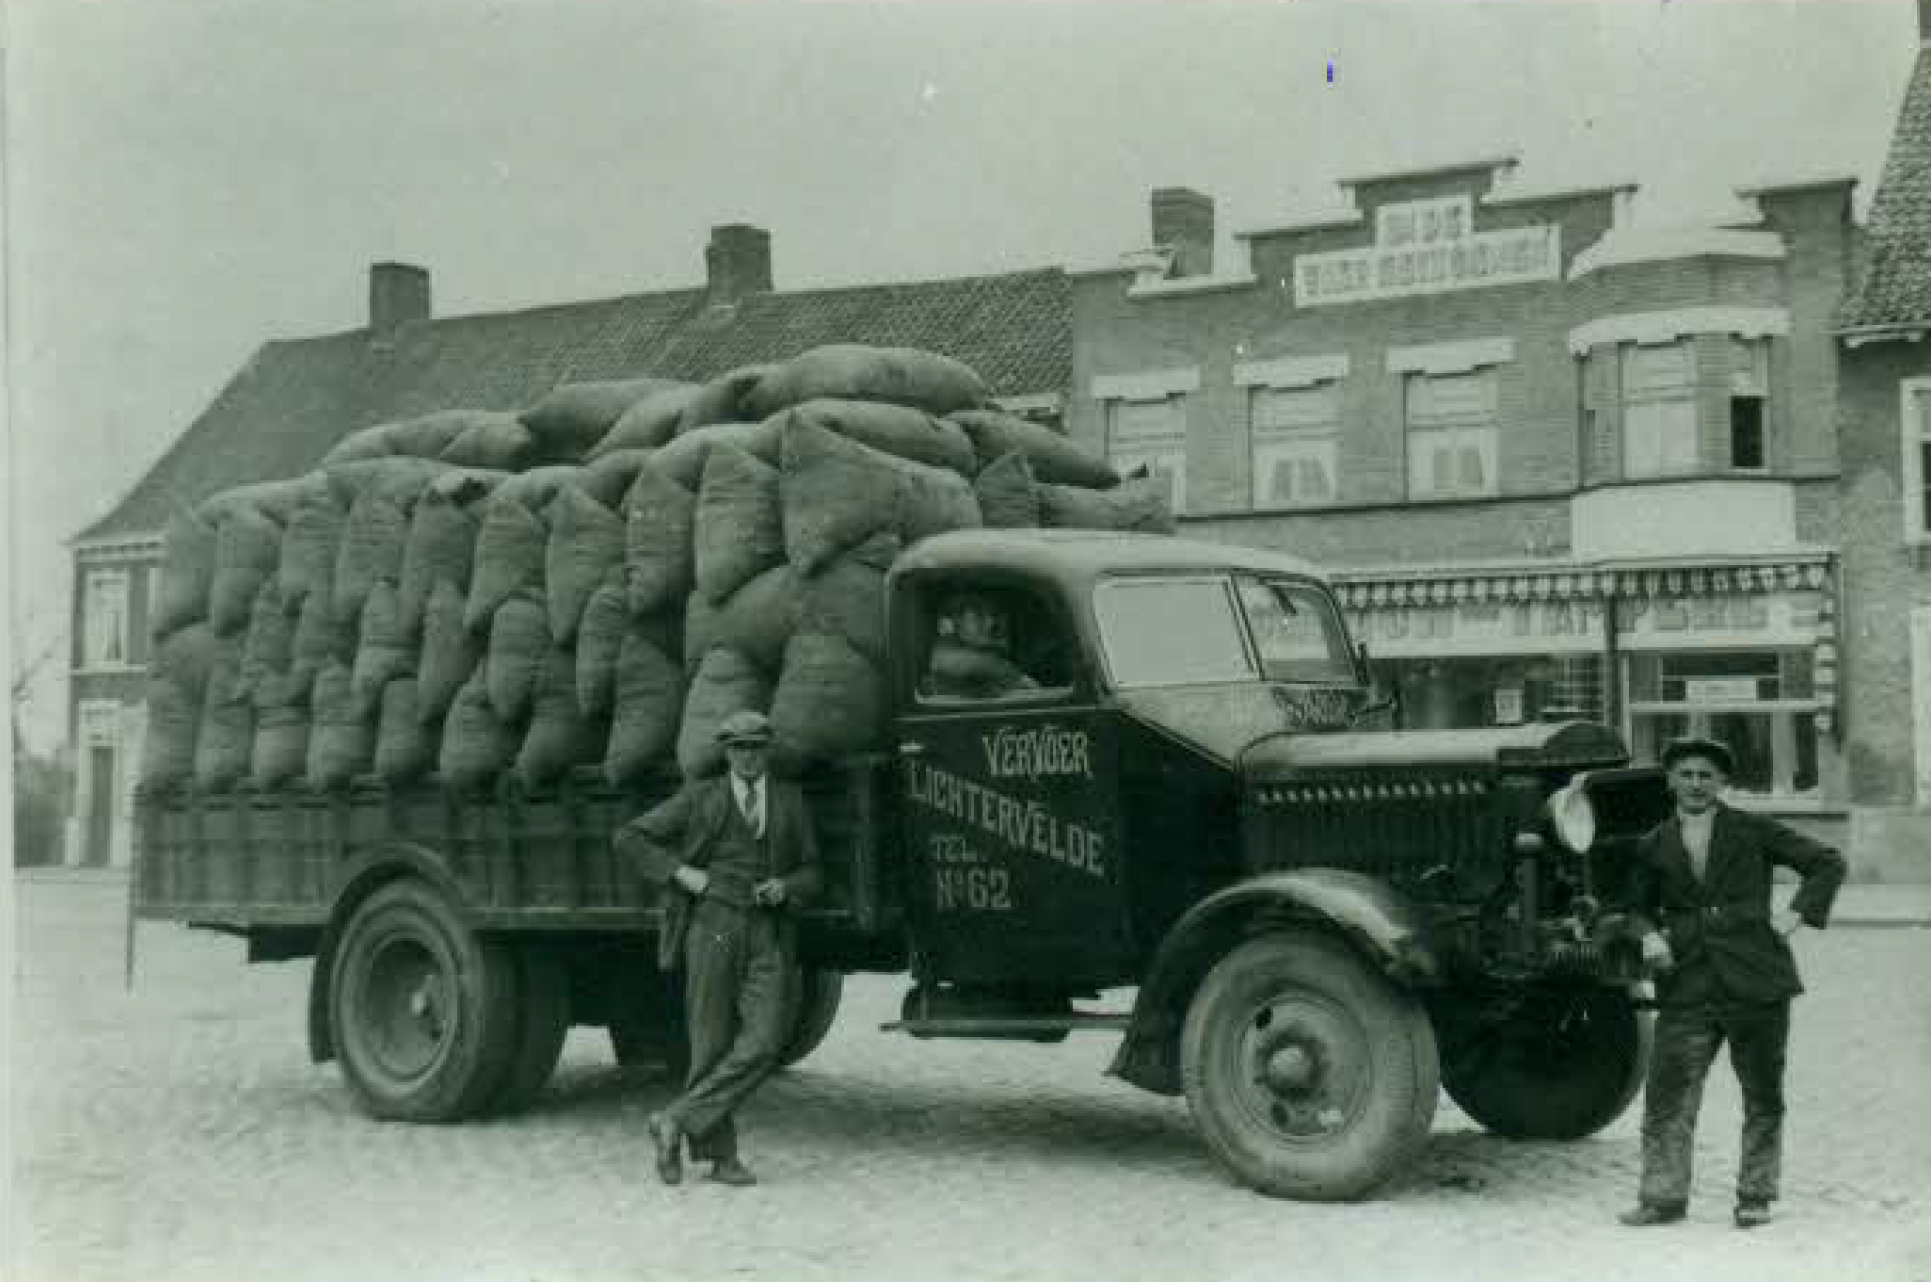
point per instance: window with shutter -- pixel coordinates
(1150, 435)
(1295, 432)
(1451, 435)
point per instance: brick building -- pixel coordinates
(1558, 461)
(1885, 430)
(294, 399)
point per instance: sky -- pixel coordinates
(187, 179)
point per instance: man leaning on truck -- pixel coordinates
(734, 856)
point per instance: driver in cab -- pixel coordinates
(971, 653)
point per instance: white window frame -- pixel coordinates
(1315, 441)
(1914, 433)
(1156, 451)
(1483, 434)
(1681, 397)
(115, 584)
(1790, 712)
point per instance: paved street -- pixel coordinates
(178, 1131)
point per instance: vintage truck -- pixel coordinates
(1307, 925)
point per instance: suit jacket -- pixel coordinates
(685, 830)
(1719, 927)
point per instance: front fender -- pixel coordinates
(1378, 921)
(354, 882)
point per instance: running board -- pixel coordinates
(1007, 1026)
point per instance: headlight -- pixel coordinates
(1573, 817)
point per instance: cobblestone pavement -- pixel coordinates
(178, 1131)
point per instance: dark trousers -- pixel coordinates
(1687, 1040)
(740, 986)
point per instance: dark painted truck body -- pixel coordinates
(1305, 925)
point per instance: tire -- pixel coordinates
(1309, 1073)
(1562, 1066)
(423, 1009)
(821, 991)
(542, 1022)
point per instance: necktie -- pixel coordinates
(754, 808)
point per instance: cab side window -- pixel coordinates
(990, 644)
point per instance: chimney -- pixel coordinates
(398, 294)
(737, 262)
(1183, 226)
(1924, 21)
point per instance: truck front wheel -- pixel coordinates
(1562, 1064)
(1308, 1072)
(423, 1008)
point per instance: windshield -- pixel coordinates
(1171, 631)
(1296, 631)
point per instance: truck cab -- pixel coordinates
(1174, 775)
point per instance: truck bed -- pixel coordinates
(514, 860)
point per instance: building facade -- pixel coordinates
(296, 398)
(1559, 464)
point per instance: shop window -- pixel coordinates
(1659, 410)
(1472, 693)
(1295, 450)
(1150, 437)
(1760, 702)
(1451, 435)
(104, 630)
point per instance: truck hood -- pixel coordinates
(1278, 731)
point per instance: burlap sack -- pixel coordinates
(280, 751)
(829, 702)
(189, 656)
(371, 549)
(846, 599)
(1055, 460)
(247, 551)
(726, 682)
(839, 493)
(572, 418)
(440, 548)
(849, 371)
(1008, 496)
(646, 425)
(499, 442)
(898, 430)
(509, 555)
(226, 735)
(936, 501)
(269, 647)
(275, 500)
(659, 515)
(400, 480)
(187, 574)
(648, 703)
(736, 532)
(465, 486)
(559, 735)
(519, 639)
(755, 621)
(722, 399)
(683, 459)
(537, 488)
(173, 718)
(320, 639)
(425, 437)
(341, 741)
(600, 635)
(608, 478)
(405, 748)
(586, 544)
(383, 651)
(309, 547)
(451, 653)
(1140, 505)
(477, 744)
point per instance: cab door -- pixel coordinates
(1011, 814)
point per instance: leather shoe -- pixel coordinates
(669, 1140)
(733, 1172)
(1649, 1214)
(1752, 1215)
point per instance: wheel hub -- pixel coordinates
(1290, 1069)
(1307, 1066)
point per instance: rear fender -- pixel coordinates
(361, 877)
(1377, 921)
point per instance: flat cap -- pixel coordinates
(745, 729)
(1714, 750)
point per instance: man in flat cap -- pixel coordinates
(1701, 891)
(735, 856)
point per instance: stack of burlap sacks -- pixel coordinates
(599, 580)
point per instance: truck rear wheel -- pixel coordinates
(1563, 1065)
(542, 1023)
(817, 1010)
(423, 1008)
(1308, 1072)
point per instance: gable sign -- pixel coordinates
(1427, 247)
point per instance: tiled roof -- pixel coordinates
(294, 399)
(1893, 279)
